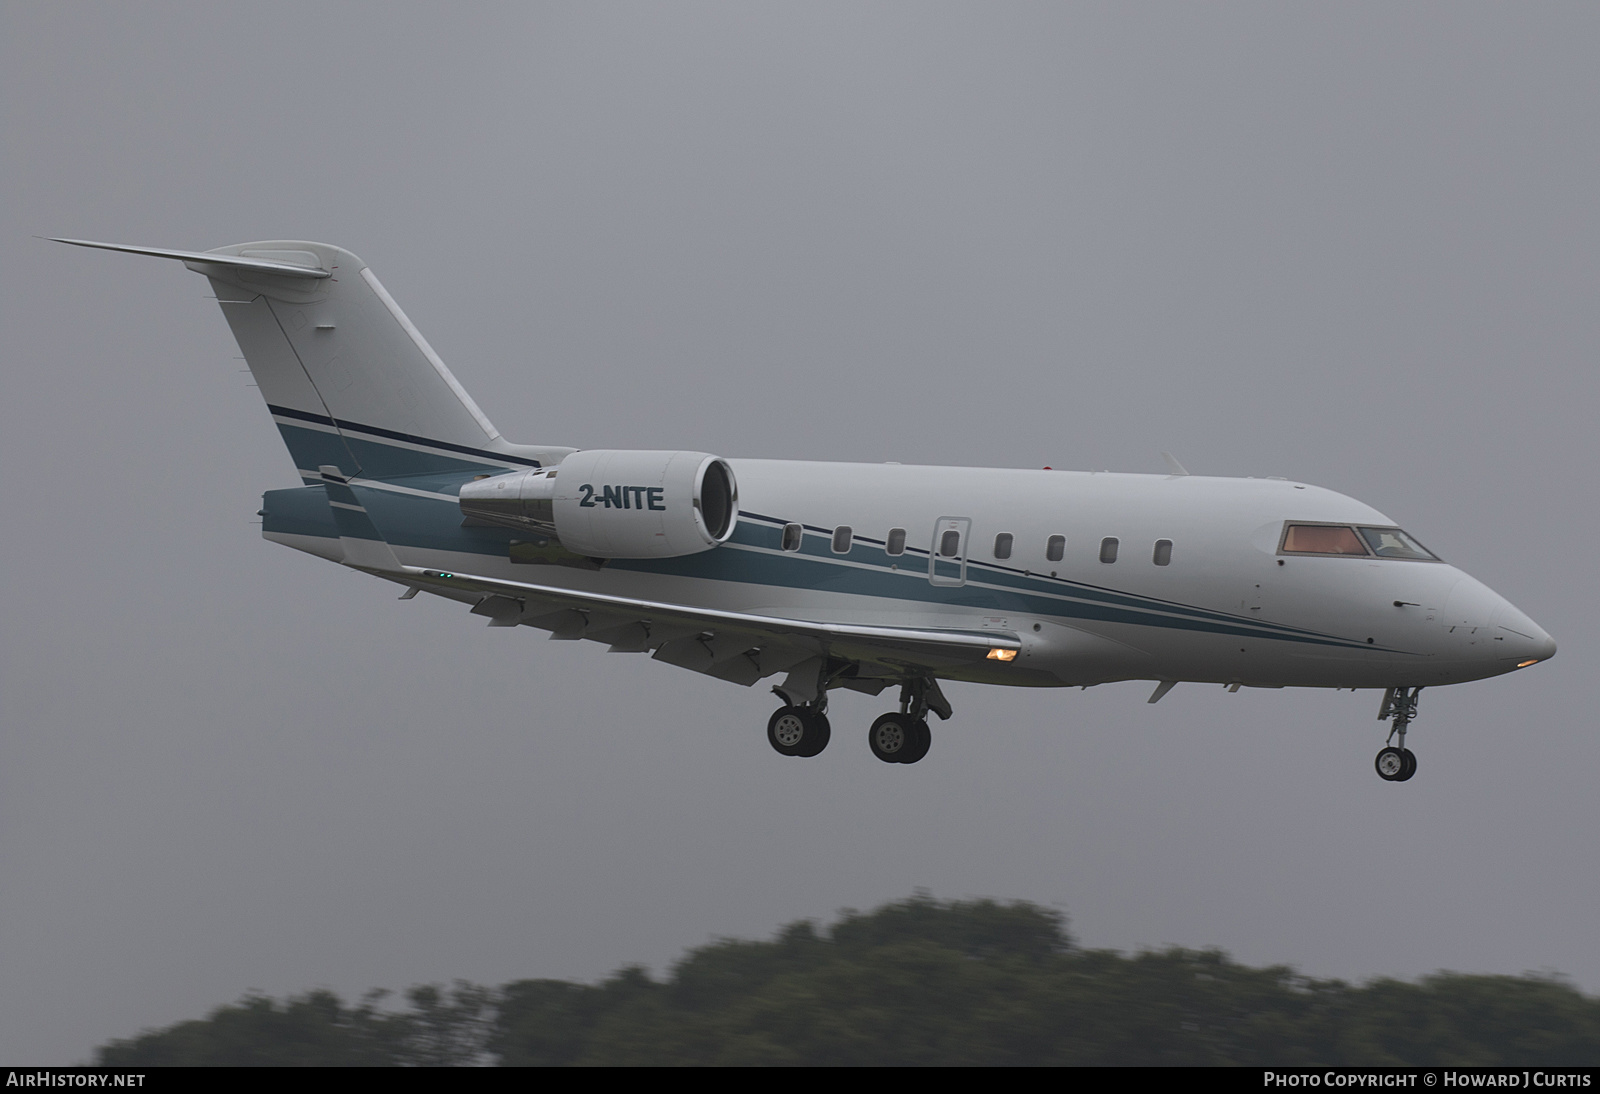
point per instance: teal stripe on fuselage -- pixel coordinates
(821, 570)
(766, 532)
(404, 520)
(302, 511)
(434, 524)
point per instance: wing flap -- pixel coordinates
(737, 646)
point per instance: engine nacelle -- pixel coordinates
(615, 503)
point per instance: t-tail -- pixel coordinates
(349, 380)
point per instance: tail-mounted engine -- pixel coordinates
(613, 503)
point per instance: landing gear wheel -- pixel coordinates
(796, 731)
(1392, 765)
(817, 736)
(786, 729)
(917, 747)
(1411, 765)
(892, 736)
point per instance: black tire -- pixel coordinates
(786, 731)
(1411, 765)
(890, 736)
(921, 740)
(818, 734)
(1391, 765)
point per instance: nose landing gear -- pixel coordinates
(1397, 764)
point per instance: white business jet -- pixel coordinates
(830, 575)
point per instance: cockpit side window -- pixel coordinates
(1393, 543)
(1322, 539)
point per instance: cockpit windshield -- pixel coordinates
(1393, 543)
(1322, 539)
(1345, 539)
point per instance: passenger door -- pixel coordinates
(947, 558)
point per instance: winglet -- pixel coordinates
(237, 262)
(1173, 465)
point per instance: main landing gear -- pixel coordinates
(899, 737)
(903, 737)
(1397, 764)
(799, 730)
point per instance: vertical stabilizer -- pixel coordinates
(349, 380)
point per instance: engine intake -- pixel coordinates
(615, 503)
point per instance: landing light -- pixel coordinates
(1002, 655)
(1520, 665)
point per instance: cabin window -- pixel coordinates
(792, 534)
(896, 543)
(1002, 545)
(1322, 539)
(841, 540)
(1393, 543)
(1108, 549)
(1163, 553)
(1055, 547)
(950, 543)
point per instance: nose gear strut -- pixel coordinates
(1397, 764)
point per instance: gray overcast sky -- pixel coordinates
(1350, 244)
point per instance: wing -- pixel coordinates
(735, 646)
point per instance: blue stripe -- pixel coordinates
(819, 570)
(410, 521)
(302, 511)
(1028, 582)
(312, 448)
(346, 427)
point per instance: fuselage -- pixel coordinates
(1105, 576)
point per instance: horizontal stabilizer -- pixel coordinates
(237, 262)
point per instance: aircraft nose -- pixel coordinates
(1486, 627)
(1523, 638)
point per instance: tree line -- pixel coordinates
(915, 982)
